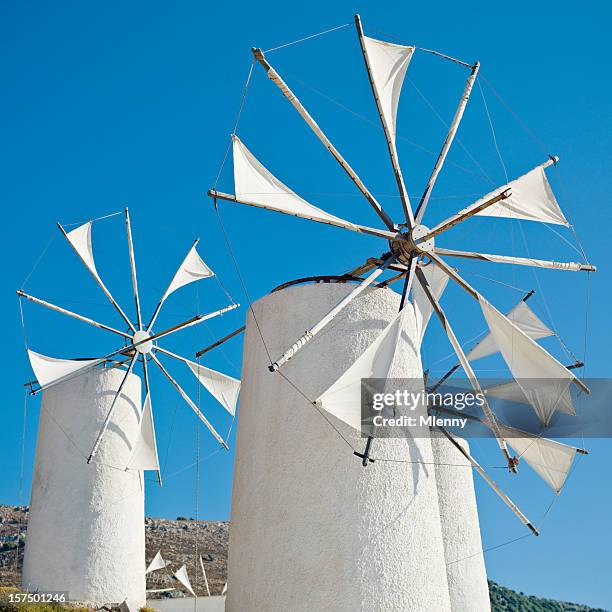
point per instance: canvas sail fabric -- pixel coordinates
(49, 369)
(183, 578)
(157, 563)
(343, 398)
(540, 376)
(388, 65)
(551, 460)
(224, 388)
(144, 451)
(255, 183)
(191, 270)
(437, 280)
(512, 392)
(525, 319)
(532, 199)
(80, 239)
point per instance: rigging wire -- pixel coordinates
(374, 124)
(121, 212)
(236, 122)
(499, 155)
(38, 260)
(457, 139)
(310, 37)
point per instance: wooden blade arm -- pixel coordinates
(221, 341)
(145, 375)
(459, 217)
(165, 295)
(490, 417)
(315, 329)
(397, 171)
(190, 402)
(452, 131)
(312, 124)
(491, 483)
(99, 281)
(74, 315)
(111, 410)
(362, 229)
(570, 266)
(128, 227)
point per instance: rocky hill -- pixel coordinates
(180, 539)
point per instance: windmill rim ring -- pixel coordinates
(337, 278)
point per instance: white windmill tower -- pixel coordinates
(86, 523)
(310, 530)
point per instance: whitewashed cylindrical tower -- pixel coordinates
(86, 525)
(311, 528)
(465, 567)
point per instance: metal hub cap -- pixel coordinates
(413, 243)
(146, 347)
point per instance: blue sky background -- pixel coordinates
(108, 104)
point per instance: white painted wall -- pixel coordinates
(465, 569)
(86, 524)
(311, 528)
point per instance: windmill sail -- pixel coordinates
(157, 563)
(388, 64)
(80, 239)
(531, 199)
(183, 578)
(254, 183)
(524, 318)
(49, 369)
(224, 388)
(540, 376)
(551, 460)
(144, 451)
(343, 398)
(191, 269)
(512, 392)
(437, 280)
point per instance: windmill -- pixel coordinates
(140, 346)
(413, 251)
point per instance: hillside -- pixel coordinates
(177, 539)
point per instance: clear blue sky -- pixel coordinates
(107, 104)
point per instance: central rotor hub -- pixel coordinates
(410, 243)
(146, 347)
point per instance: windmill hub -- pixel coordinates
(416, 241)
(146, 347)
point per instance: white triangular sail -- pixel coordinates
(531, 199)
(144, 450)
(551, 460)
(224, 591)
(255, 183)
(388, 65)
(183, 578)
(540, 376)
(437, 280)
(50, 369)
(157, 563)
(80, 239)
(224, 388)
(343, 398)
(512, 392)
(192, 269)
(525, 319)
